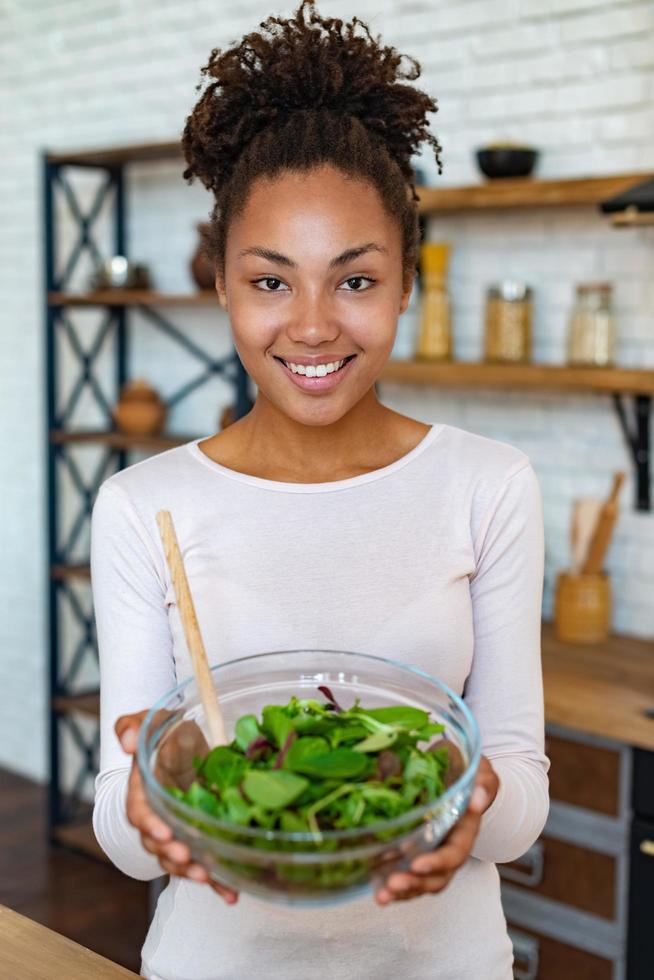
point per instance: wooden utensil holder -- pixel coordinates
(582, 607)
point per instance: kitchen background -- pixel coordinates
(574, 78)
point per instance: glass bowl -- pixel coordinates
(299, 868)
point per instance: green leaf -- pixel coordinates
(348, 732)
(223, 767)
(309, 723)
(304, 748)
(376, 742)
(402, 715)
(433, 728)
(200, 798)
(273, 789)
(338, 764)
(276, 724)
(293, 823)
(238, 810)
(247, 729)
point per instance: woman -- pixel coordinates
(324, 519)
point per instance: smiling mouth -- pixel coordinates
(288, 366)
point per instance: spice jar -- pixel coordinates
(435, 333)
(508, 322)
(591, 338)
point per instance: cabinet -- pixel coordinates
(578, 903)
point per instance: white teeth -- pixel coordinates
(315, 371)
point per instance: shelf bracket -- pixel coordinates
(637, 436)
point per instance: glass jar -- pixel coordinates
(508, 323)
(591, 338)
(435, 333)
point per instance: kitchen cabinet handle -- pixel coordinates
(531, 872)
(647, 847)
(525, 949)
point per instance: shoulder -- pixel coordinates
(484, 472)
(478, 458)
(142, 480)
(132, 497)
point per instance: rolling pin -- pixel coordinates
(603, 530)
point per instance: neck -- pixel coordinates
(352, 442)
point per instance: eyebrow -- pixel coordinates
(347, 256)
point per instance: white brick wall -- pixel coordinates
(574, 76)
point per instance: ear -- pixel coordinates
(406, 293)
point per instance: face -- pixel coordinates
(313, 274)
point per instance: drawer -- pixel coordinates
(567, 873)
(584, 775)
(538, 957)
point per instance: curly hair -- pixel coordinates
(301, 93)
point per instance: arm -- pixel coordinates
(136, 661)
(505, 688)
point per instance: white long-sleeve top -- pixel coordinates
(436, 560)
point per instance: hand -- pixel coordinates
(432, 871)
(156, 836)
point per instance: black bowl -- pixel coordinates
(506, 161)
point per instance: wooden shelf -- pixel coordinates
(604, 689)
(119, 440)
(79, 837)
(134, 297)
(115, 155)
(535, 376)
(85, 704)
(525, 192)
(62, 572)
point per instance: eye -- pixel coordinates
(360, 279)
(268, 280)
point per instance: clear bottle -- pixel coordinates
(508, 323)
(591, 337)
(435, 333)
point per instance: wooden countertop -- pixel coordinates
(604, 689)
(31, 951)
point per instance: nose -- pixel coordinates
(313, 322)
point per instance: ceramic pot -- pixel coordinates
(140, 411)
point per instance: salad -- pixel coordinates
(311, 766)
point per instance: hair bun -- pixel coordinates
(303, 65)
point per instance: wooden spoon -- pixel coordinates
(585, 514)
(603, 530)
(203, 677)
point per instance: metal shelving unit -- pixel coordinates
(74, 707)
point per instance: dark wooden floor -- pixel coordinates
(85, 899)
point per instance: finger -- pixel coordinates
(452, 854)
(387, 894)
(434, 883)
(171, 867)
(228, 894)
(400, 883)
(176, 851)
(127, 729)
(479, 798)
(139, 813)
